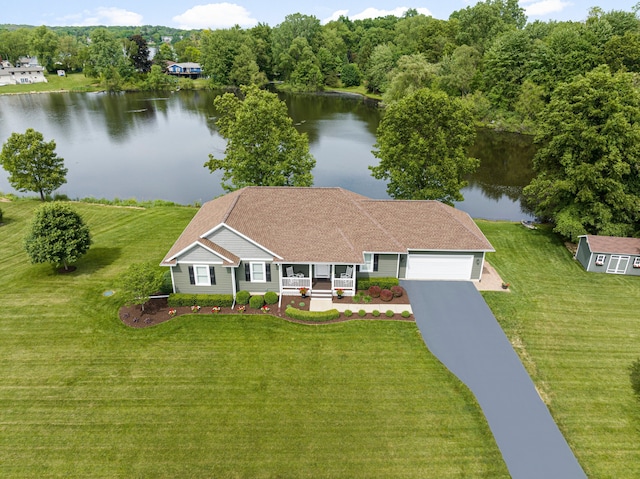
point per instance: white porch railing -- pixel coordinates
(295, 283)
(343, 283)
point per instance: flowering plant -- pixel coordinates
(340, 292)
(303, 291)
(241, 309)
(172, 312)
(195, 308)
(265, 309)
(215, 309)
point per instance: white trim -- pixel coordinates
(233, 285)
(224, 225)
(193, 245)
(636, 262)
(618, 258)
(264, 271)
(599, 262)
(481, 267)
(195, 275)
(367, 266)
(173, 282)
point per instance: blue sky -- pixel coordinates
(247, 13)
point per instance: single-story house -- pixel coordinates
(188, 69)
(609, 254)
(282, 239)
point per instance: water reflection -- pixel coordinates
(153, 146)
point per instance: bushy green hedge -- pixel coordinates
(270, 297)
(303, 315)
(384, 283)
(182, 299)
(242, 297)
(256, 301)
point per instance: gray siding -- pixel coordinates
(181, 281)
(387, 267)
(238, 245)
(273, 285)
(199, 255)
(583, 254)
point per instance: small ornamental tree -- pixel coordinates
(139, 282)
(32, 163)
(58, 235)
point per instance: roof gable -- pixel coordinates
(332, 224)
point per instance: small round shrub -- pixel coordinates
(356, 297)
(367, 299)
(634, 374)
(270, 297)
(348, 313)
(374, 291)
(362, 313)
(257, 301)
(405, 314)
(386, 295)
(302, 304)
(389, 313)
(242, 297)
(397, 291)
(376, 313)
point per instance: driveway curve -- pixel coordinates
(461, 331)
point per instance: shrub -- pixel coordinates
(634, 374)
(356, 298)
(348, 313)
(367, 299)
(374, 291)
(312, 315)
(384, 283)
(386, 295)
(389, 313)
(242, 297)
(362, 313)
(181, 299)
(167, 286)
(405, 314)
(397, 291)
(376, 313)
(257, 301)
(270, 297)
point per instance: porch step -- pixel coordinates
(321, 293)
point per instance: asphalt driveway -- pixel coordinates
(461, 331)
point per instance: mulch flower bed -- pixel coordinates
(156, 311)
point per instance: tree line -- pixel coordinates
(574, 84)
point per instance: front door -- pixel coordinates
(322, 270)
(618, 264)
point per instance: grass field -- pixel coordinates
(70, 82)
(577, 334)
(81, 395)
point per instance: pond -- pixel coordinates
(153, 146)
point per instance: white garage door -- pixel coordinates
(426, 266)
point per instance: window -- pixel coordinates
(202, 275)
(257, 273)
(367, 267)
(600, 260)
(636, 262)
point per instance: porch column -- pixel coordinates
(233, 285)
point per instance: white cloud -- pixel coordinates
(544, 7)
(375, 13)
(108, 16)
(215, 15)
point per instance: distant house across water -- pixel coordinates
(186, 69)
(26, 71)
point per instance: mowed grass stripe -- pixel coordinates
(81, 395)
(580, 332)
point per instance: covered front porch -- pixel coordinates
(318, 279)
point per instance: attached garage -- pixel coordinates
(442, 267)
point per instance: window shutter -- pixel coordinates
(192, 277)
(247, 272)
(268, 271)
(212, 274)
(375, 262)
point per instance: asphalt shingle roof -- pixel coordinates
(613, 244)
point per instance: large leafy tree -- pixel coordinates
(138, 52)
(588, 166)
(422, 145)
(32, 163)
(44, 45)
(220, 48)
(58, 235)
(263, 147)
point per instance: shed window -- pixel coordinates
(636, 262)
(600, 260)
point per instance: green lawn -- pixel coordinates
(81, 395)
(70, 82)
(577, 333)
